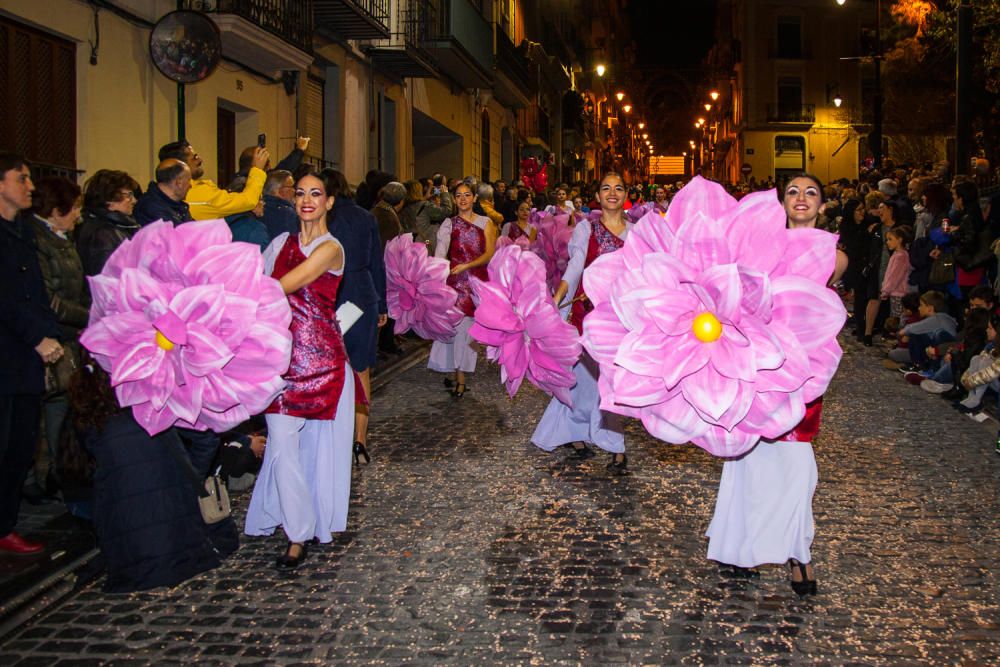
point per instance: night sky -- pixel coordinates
(672, 38)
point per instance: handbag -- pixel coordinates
(213, 497)
(59, 372)
(943, 269)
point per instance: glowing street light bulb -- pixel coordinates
(620, 95)
(841, 2)
(627, 108)
(642, 126)
(697, 125)
(714, 95)
(701, 121)
(837, 101)
(644, 135)
(708, 107)
(600, 70)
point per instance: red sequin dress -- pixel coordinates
(316, 374)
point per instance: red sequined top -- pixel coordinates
(315, 376)
(468, 243)
(808, 428)
(602, 241)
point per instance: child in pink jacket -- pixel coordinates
(896, 283)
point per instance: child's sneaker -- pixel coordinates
(934, 387)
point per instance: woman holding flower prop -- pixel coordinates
(521, 228)
(763, 513)
(305, 482)
(715, 326)
(585, 421)
(468, 241)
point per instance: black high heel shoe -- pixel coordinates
(805, 587)
(287, 561)
(361, 454)
(618, 465)
(459, 390)
(580, 451)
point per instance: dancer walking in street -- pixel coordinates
(763, 513)
(305, 481)
(468, 241)
(585, 422)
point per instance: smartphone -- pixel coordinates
(261, 140)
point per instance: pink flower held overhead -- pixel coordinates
(189, 327)
(519, 323)
(714, 324)
(417, 293)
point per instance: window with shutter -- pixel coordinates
(314, 117)
(38, 89)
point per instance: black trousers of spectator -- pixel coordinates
(19, 421)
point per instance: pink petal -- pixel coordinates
(698, 197)
(709, 392)
(774, 413)
(599, 277)
(137, 363)
(756, 231)
(602, 333)
(811, 253)
(639, 352)
(814, 314)
(723, 283)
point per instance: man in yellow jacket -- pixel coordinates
(206, 199)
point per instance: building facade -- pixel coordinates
(410, 87)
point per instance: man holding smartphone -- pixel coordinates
(207, 200)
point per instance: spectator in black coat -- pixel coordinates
(279, 211)
(108, 202)
(29, 338)
(363, 285)
(164, 198)
(149, 528)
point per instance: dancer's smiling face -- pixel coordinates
(612, 193)
(311, 200)
(802, 200)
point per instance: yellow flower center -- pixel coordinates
(164, 342)
(707, 328)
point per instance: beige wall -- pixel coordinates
(126, 109)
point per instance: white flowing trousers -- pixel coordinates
(305, 481)
(763, 513)
(585, 421)
(460, 354)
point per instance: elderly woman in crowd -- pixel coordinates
(108, 201)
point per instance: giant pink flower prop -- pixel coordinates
(191, 330)
(417, 293)
(552, 245)
(519, 323)
(714, 325)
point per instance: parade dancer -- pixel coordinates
(763, 513)
(305, 481)
(585, 422)
(468, 241)
(521, 227)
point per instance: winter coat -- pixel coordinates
(146, 515)
(100, 234)
(279, 217)
(62, 273)
(154, 205)
(25, 314)
(364, 267)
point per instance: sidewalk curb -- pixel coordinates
(41, 595)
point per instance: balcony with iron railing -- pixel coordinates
(798, 114)
(533, 124)
(267, 36)
(403, 54)
(354, 19)
(517, 78)
(461, 42)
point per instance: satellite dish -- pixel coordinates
(185, 46)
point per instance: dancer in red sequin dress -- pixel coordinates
(763, 513)
(305, 481)
(468, 241)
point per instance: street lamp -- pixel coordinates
(627, 108)
(642, 126)
(714, 95)
(620, 95)
(600, 70)
(708, 107)
(644, 135)
(701, 121)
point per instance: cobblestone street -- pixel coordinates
(467, 545)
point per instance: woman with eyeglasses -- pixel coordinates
(603, 232)
(467, 241)
(108, 202)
